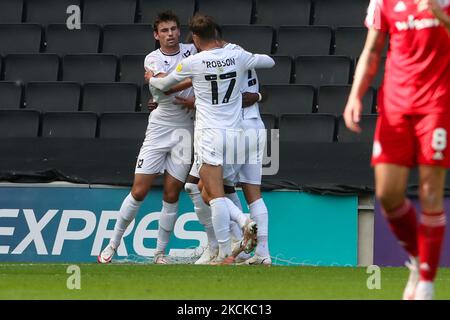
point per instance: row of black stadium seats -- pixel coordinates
(138, 39)
(268, 12)
(309, 70)
(299, 128)
(113, 97)
(72, 96)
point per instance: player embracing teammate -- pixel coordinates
(217, 74)
(412, 127)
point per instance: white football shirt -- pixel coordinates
(168, 113)
(249, 85)
(217, 77)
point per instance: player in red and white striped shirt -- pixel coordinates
(412, 127)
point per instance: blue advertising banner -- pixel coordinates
(73, 224)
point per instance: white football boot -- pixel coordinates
(249, 242)
(242, 257)
(424, 291)
(259, 260)
(207, 256)
(107, 254)
(413, 280)
(159, 258)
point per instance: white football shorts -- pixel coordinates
(218, 147)
(166, 148)
(255, 142)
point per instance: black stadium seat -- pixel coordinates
(89, 68)
(52, 96)
(322, 70)
(287, 99)
(256, 39)
(332, 99)
(184, 9)
(307, 127)
(367, 124)
(128, 125)
(132, 69)
(69, 125)
(20, 38)
(308, 40)
(340, 13)
(349, 41)
(109, 97)
(227, 12)
(281, 73)
(270, 121)
(61, 40)
(10, 95)
(109, 11)
(19, 123)
(11, 11)
(48, 11)
(31, 67)
(283, 12)
(128, 39)
(144, 98)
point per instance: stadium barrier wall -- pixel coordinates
(72, 223)
(387, 251)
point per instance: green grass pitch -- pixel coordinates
(141, 281)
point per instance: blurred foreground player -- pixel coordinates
(159, 151)
(414, 119)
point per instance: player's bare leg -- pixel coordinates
(258, 213)
(431, 228)
(172, 189)
(203, 212)
(130, 206)
(391, 182)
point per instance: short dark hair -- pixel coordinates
(165, 17)
(203, 26)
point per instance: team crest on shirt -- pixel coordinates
(187, 54)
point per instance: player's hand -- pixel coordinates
(249, 99)
(352, 114)
(148, 75)
(152, 105)
(186, 103)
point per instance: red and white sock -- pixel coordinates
(403, 223)
(431, 236)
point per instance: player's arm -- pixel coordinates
(186, 83)
(257, 61)
(250, 98)
(366, 70)
(434, 7)
(181, 73)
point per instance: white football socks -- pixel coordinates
(259, 214)
(128, 211)
(166, 224)
(221, 223)
(203, 212)
(236, 214)
(236, 231)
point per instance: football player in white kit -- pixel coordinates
(249, 175)
(216, 74)
(166, 125)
